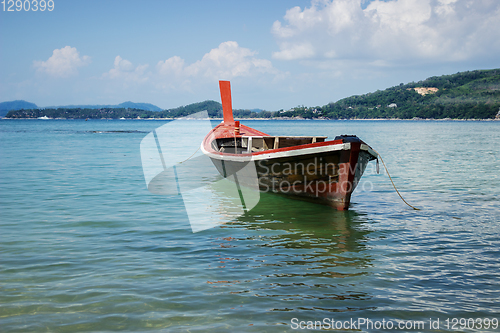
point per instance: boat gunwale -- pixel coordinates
(306, 149)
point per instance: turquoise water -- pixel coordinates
(85, 247)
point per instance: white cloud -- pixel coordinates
(395, 30)
(227, 61)
(291, 51)
(63, 62)
(125, 71)
(171, 66)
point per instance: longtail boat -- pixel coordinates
(301, 167)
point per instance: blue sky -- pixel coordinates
(277, 54)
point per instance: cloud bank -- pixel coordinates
(63, 63)
(126, 72)
(227, 61)
(390, 31)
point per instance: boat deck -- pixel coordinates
(252, 144)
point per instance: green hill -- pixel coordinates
(71, 113)
(125, 105)
(466, 95)
(214, 110)
(5, 107)
(141, 106)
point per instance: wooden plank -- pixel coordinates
(249, 144)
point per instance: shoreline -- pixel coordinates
(267, 119)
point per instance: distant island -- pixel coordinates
(128, 105)
(5, 107)
(464, 95)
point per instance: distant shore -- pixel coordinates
(266, 119)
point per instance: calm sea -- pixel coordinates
(85, 247)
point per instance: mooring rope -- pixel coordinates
(190, 156)
(385, 167)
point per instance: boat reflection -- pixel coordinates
(306, 225)
(309, 255)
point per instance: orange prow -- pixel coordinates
(225, 95)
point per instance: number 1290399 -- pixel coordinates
(27, 5)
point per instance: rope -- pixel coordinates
(393, 182)
(190, 156)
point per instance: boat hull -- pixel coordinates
(302, 167)
(325, 173)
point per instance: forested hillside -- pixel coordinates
(474, 94)
(466, 95)
(5, 107)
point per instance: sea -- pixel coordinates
(85, 247)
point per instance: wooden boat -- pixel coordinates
(302, 167)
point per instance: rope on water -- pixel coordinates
(393, 182)
(190, 156)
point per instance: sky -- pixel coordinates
(277, 54)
